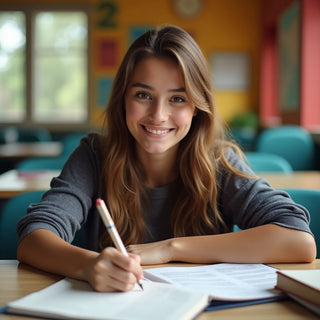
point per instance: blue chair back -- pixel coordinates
(70, 142)
(8, 134)
(310, 199)
(30, 164)
(12, 211)
(34, 135)
(268, 162)
(290, 142)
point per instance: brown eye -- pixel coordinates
(177, 99)
(143, 95)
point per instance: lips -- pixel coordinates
(157, 131)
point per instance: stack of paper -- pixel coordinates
(227, 284)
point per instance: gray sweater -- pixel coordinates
(70, 202)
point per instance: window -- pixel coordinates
(12, 62)
(44, 66)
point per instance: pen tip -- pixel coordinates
(140, 285)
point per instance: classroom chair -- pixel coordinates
(291, 142)
(268, 162)
(70, 142)
(8, 134)
(34, 135)
(31, 164)
(12, 211)
(310, 199)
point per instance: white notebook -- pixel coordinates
(223, 281)
(73, 299)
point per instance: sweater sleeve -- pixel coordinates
(66, 206)
(250, 202)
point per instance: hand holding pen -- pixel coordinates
(107, 220)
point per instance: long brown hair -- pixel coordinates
(200, 152)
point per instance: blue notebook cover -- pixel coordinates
(218, 305)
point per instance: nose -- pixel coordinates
(159, 111)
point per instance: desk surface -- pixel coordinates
(13, 183)
(298, 179)
(18, 280)
(21, 150)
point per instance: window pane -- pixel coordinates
(12, 62)
(60, 67)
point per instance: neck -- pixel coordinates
(160, 169)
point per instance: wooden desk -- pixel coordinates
(13, 183)
(19, 280)
(298, 179)
(22, 150)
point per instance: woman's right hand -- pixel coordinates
(113, 271)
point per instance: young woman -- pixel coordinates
(173, 183)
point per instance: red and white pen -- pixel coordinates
(113, 232)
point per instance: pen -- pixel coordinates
(113, 232)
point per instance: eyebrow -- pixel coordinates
(145, 86)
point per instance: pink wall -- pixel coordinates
(269, 110)
(269, 115)
(310, 65)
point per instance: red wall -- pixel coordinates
(309, 116)
(310, 65)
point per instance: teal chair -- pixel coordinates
(8, 134)
(12, 211)
(31, 164)
(268, 162)
(34, 134)
(70, 142)
(293, 143)
(310, 199)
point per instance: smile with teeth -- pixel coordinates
(153, 131)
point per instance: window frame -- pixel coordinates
(30, 11)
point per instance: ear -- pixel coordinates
(195, 112)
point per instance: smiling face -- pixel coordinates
(158, 111)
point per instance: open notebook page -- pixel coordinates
(222, 281)
(73, 299)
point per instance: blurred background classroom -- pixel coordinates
(58, 60)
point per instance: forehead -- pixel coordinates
(162, 69)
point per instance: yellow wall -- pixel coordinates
(222, 25)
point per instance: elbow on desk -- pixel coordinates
(307, 251)
(20, 253)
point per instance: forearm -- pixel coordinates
(45, 250)
(264, 244)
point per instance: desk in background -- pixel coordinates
(18, 280)
(22, 150)
(298, 179)
(13, 183)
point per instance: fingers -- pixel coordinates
(113, 271)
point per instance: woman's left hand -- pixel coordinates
(153, 253)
